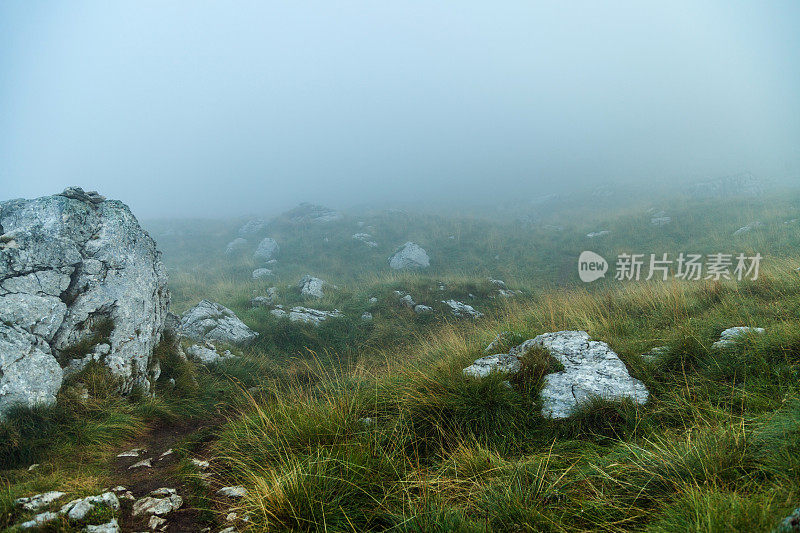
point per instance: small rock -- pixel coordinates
(260, 273)
(408, 301)
(366, 316)
(790, 524)
(596, 234)
(131, 453)
(212, 321)
(163, 491)
(144, 463)
(33, 467)
(156, 522)
(366, 238)
(38, 501)
(492, 363)
(422, 309)
(78, 509)
(233, 492)
(157, 506)
(202, 465)
(165, 454)
(730, 335)
(267, 250)
(311, 286)
(461, 309)
(410, 256)
(747, 229)
(39, 520)
(373, 300)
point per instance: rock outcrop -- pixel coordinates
(77, 272)
(305, 314)
(311, 286)
(460, 309)
(209, 321)
(267, 250)
(591, 370)
(410, 256)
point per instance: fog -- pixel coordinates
(218, 109)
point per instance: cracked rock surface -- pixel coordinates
(68, 264)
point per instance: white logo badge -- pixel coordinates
(591, 267)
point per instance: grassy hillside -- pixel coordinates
(370, 425)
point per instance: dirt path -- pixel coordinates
(140, 481)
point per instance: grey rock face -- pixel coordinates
(36, 502)
(267, 250)
(310, 286)
(305, 314)
(215, 322)
(591, 370)
(460, 309)
(410, 256)
(70, 263)
(236, 246)
(730, 335)
(493, 363)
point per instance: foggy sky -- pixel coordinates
(223, 108)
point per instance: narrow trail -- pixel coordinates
(158, 447)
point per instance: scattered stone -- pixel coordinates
(267, 249)
(307, 315)
(366, 238)
(493, 363)
(730, 335)
(39, 520)
(265, 301)
(78, 509)
(310, 286)
(108, 527)
(34, 503)
(461, 309)
(33, 467)
(366, 316)
(260, 273)
(421, 309)
(408, 301)
(163, 491)
(202, 465)
(144, 463)
(236, 246)
(165, 454)
(207, 353)
(156, 522)
(373, 300)
(212, 321)
(119, 488)
(70, 265)
(157, 506)
(500, 284)
(596, 234)
(233, 492)
(131, 453)
(410, 256)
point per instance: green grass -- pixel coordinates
(372, 426)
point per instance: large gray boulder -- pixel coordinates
(267, 250)
(591, 370)
(210, 321)
(77, 272)
(410, 255)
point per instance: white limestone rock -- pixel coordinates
(212, 321)
(410, 256)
